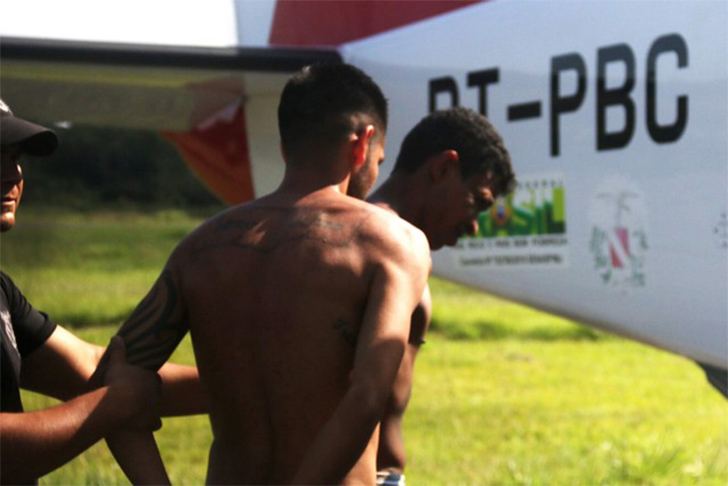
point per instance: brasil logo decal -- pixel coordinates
(535, 207)
(525, 230)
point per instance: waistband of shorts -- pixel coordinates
(386, 478)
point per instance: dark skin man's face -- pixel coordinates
(458, 204)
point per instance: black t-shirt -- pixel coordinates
(22, 331)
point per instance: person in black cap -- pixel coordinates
(39, 355)
(18, 137)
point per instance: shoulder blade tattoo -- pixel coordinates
(311, 225)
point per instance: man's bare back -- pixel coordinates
(298, 303)
(279, 297)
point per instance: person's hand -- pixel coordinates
(136, 390)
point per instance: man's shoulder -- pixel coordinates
(387, 222)
(396, 237)
(230, 219)
(6, 282)
(11, 293)
(190, 247)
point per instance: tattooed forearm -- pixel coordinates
(156, 326)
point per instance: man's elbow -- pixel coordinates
(16, 460)
(370, 402)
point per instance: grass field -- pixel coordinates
(503, 394)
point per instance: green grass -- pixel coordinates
(503, 394)
(528, 412)
(463, 314)
(90, 268)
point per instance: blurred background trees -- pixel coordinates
(103, 167)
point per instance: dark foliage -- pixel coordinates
(112, 167)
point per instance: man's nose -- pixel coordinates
(472, 228)
(489, 197)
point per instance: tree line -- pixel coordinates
(109, 167)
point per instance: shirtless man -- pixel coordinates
(451, 167)
(298, 303)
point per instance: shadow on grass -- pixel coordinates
(483, 330)
(81, 320)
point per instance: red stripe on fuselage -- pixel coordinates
(331, 23)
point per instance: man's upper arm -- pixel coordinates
(157, 325)
(71, 359)
(396, 285)
(421, 318)
(396, 289)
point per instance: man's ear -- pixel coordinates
(284, 154)
(443, 163)
(360, 144)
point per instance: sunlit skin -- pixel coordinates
(445, 207)
(12, 185)
(363, 180)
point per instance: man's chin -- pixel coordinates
(436, 245)
(7, 221)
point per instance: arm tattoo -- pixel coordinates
(346, 334)
(156, 326)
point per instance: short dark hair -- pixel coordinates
(320, 101)
(479, 145)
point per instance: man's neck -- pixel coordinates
(399, 195)
(303, 181)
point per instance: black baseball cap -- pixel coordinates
(34, 139)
